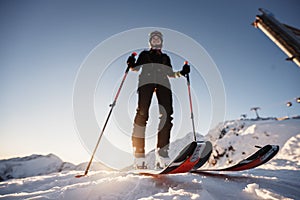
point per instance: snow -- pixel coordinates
(48, 177)
(254, 189)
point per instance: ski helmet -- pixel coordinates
(159, 35)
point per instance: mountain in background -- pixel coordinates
(36, 165)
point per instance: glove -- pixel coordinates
(185, 69)
(131, 60)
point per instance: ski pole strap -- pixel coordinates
(127, 69)
(188, 79)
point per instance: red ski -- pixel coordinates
(184, 162)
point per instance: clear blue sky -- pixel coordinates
(43, 44)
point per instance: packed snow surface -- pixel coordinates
(48, 177)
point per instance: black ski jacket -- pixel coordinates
(156, 68)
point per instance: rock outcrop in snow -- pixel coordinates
(234, 140)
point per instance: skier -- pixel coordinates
(156, 69)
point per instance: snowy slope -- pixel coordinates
(278, 179)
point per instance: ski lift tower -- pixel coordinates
(255, 109)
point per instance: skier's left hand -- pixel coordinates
(185, 69)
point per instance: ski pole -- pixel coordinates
(191, 104)
(106, 121)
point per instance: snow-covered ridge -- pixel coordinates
(234, 140)
(36, 165)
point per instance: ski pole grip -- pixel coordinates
(132, 55)
(187, 75)
(188, 79)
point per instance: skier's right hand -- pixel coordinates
(131, 61)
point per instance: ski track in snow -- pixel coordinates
(278, 179)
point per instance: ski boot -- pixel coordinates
(162, 159)
(140, 163)
(139, 158)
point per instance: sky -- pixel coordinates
(45, 43)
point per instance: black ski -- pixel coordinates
(204, 155)
(260, 157)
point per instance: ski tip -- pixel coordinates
(134, 53)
